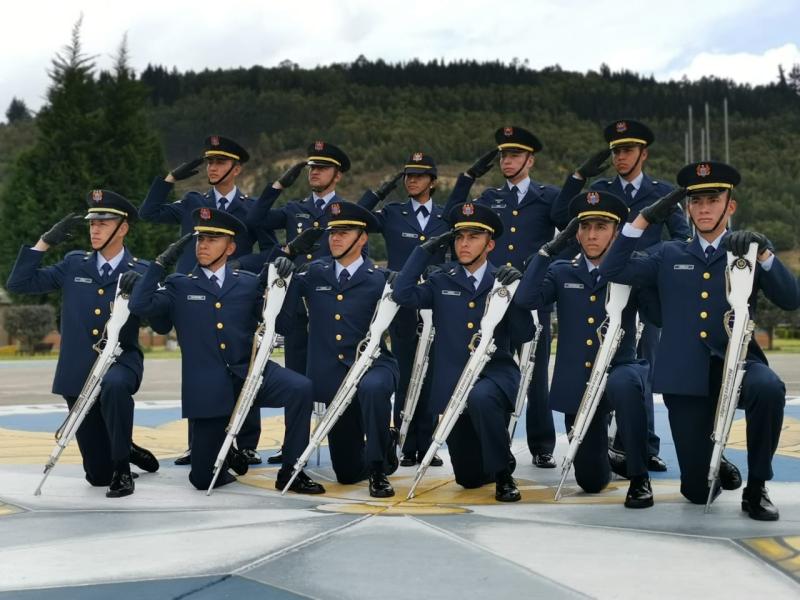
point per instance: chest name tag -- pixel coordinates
(683, 267)
(407, 234)
(195, 297)
(451, 293)
(303, 215)
(573, 286)
(83, 280)
(323, 288)
(499, 205)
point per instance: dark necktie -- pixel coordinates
(595, 273)
(515, 195)
(473, 281)
(629, 189)
(422, 211)
(105, 271)
(223, 202)
(709, 252)
(344, 277)
(319, 203)
(215, 279)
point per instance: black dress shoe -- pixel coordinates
(237, 460)
(121, 485)
(277, 458)
(757, 505)
(143, 458)
(379, 486)
(729, 476)
(640, 493)
(185, 458)
(408, 460)
(302, 484)
(543, 460)
(252, 455)
(506, 488)
(436, 461)
(656, 464)
(618, 463)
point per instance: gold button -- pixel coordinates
(509, 264)
(592, 298)
(341, 357)
(339, 297)
(706, 275)
(222, 346)
(316, 223)
(337, 317)
(589, 342)
(338, 337)
(100, 292)
(703, 315)
(515, 212)
(513, 230)
(220, 325)
(422, 238)
(590, 320)
(703, 334)
(470, 325)
(587, 364)
(704, 295)
(471, 304)
(511, 246)
(218, 304)
(97, 311)
(309, 256)
(95, 331)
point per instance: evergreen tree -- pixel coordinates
(18, 111)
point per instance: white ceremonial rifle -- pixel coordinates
(108, 348)
(418, 371)
(610, 334)
(482, 347)
(263, 345)
(369, 349)
(739, 276)
(527, 362)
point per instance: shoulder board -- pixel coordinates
(82, 253)
(207, 194)
(542, 186)
(564, 261)
(176, 276)
(237, 272)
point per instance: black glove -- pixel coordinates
(437, 242)
(562, 241)
(739, 242)
(292, 173)
(480, 167)
(507, 274)
(305, 242)
(61, 230)
(187, 169)
(661, 209)
(387, 186)
(284, 266)
(170, 256)
(127, 281)
(431, 270)
(390, 277)
(594, 165)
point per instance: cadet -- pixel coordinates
(89, 282)
(341, 292)
(628, 145)
(224, 159)
(215, 311)
(406, 225)
(479, 443)
(579, 294)
(692, 290)
(524, 206)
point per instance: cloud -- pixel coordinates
(748, 67)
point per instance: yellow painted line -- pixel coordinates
(788, 445)
(770, 548)
(8, 509)
(782, 552)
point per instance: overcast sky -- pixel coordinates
(744, 40)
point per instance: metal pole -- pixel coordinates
(702, 143)
(708, 135)
(727, 143)
(686, 148)
(691, 136)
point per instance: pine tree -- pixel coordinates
(18, 111)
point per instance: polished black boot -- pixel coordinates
(379, 486)
(640, 492)
(143, 458)
(506, 488)
(121, 481)
(729, 476)
(756, 502)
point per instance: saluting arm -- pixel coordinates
(537, 288)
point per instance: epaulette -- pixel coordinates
(565, 261)
(177, 276)
(237, 272)
(82, 253)
(207, 195)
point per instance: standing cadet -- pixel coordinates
(524, 206)
(215, 311)
(691, 286)
(224, 159)
(628, 145)
(341, 292)
(579, 294)
(406, 225)
(89, 281)
(478, 443)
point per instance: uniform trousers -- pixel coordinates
(539, 425)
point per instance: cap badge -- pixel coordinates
(468, 210)
(593, 198)
(97, 195)
(703, 170)
(336, 209)
(214, 140)
(319, 145)
(417, 157)
(621, 127)
(508, 131)
(205, 214)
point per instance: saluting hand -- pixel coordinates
(594, 165)
(305, 242)
(661, 209)
(61, 230)
(186, 170)
(481, 166)
(291, 174)
(437, 243)
(170, 256)
(562, 241)
(387, 186)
